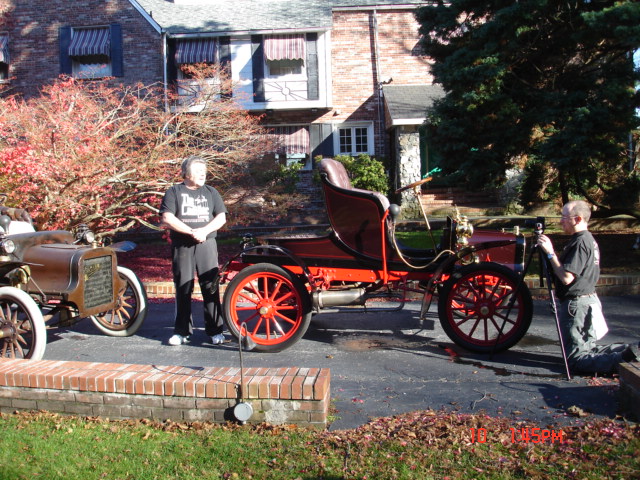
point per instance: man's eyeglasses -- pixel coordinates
(565, 217)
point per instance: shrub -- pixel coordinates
(366, 172)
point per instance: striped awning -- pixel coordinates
(284, 47)
(90, 41)
(4, 49)
(291, 140)
(201, 50)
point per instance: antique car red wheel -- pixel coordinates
(130, 312)
(474, 307)
(274, 304)
(24, 334)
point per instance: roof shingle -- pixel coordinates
(224, 16)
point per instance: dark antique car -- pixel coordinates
(58, 278)
(276, 283)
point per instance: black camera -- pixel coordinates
(538, 225)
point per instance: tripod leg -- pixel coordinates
(554, 308)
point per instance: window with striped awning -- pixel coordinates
(4, 49)
(284, 47)
(201, 50)
(87, 42)
(291, 140)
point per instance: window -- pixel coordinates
(4, 58)
(193, 91)
(190, 52)
(354, 140)
(282, 68)
(292, 144)
(91, 52)
(284, 55)
(92, 67)
(285, 68)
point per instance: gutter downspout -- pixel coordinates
(165, 72)
(378, 77)
(381, 118)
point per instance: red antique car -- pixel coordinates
(277, 283)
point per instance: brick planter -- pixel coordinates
(278, 395)
(629, 394)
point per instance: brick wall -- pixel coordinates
(354, 72)
(355, 77)
(629, 394)
(33, 40)
(277, 395)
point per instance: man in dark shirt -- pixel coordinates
(194, 212)
(577, 271)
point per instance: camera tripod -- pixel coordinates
(545, 273)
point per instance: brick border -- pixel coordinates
(607, 285)
(625, 284)
(629, 393)
(277, 395)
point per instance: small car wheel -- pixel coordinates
(130, 312)
(272, 302)
(474, 311)
(22, 324)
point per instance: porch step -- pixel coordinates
(443, 200)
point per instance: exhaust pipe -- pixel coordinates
(341, 298)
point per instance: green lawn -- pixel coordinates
(420, 445)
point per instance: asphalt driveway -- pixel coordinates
(386, 363)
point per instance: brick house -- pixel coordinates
(332, 76)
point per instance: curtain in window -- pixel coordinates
(291, 140)
(201, 50)
(284, 47)
(4, 49)
(90, 41)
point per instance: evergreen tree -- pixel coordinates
(544, 84)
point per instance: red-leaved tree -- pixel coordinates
(104, 154)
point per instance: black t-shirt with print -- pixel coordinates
(581, 257)
(196, 208)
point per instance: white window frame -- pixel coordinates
(354, 129)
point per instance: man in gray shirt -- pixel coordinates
(577, 270)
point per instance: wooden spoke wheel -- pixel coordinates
(23, 331)
(272, 302)
(475, 308)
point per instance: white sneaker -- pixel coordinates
(217, 339)
(178, 340)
